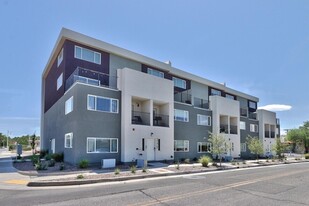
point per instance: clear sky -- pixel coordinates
(260, 47)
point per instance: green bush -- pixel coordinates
(35, 159)
(43, 153)
(80, 176)
(133, 169)
(144, 169)
(307, 156)
(40, 166)
(61, 166)
(83, 164)
(187, 161)
(58, 157)
(205, 160)
(177, 166)
(51, 163)
(117, 171)
(48, 157)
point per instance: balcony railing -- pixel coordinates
(224, 128)
(201, 103)
(91, 77)
(184, 97)
(277, 121)
(252, 115)
(161, 120)
(233, 129)
(272, 135)
(142, 118)
(266, 134)
(243, 112)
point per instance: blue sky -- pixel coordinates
(258, 47)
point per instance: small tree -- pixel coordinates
(255, 146)
(33, 137)
(279, 148)
(218, 145)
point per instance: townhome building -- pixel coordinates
(100, 101)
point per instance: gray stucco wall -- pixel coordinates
(191, 131)
(245, 133)
(117, 62)
(82, 123)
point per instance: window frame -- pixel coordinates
(177, 81)
(70, 137)
(96, 104)
(59, 81)
(215, 92)
(95, 145)
(185, 143)
(252, 105)
(70, 102)
(208, 146)
(60, 58)
(153, 72)
(255, 128)
(243, 147)
(186, 115)
(89, 50)
(199, 119)
(244, 124)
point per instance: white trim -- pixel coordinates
(186, 115)
(185, 143)
(101, 97)
(70, 136)
(198, 116)
(70, 102)
(183, 83)
(60, 58)
(95, 142)
(84, 49)
(240, 125)
(59, 81)
(208, 144)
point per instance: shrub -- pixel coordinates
(307, 156)
(133, 169)
(215, 164)
(80, 176)
(187, 161)
(40, 166)
(205, 160)
(195, 159)
(58, 157)
(233, 162)
(182, 159)
(144, 169)
(177, 166)
(83, 164)
(61, 166)
(244, 162)
(43, 153)
(48, 157)
(35, 159)
(51, 163)
(117, 171)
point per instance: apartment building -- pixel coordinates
(100, 101)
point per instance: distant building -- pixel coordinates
(100, 101)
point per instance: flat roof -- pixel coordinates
(67, 34)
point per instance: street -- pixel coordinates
(273, 185)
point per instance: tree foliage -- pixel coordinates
(255, 146)
(279, 148)
(300, 136)
(218, 145)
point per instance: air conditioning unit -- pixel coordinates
(108, 163)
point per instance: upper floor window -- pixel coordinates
(229, 96)
(254, 128)
(180, 83)
(155, 73)
(103, 104)
(242, 125)
(203, 120)
(59, 81)
(68, 106)
(252, 105)
(60, 58)
(181, 115)
(215, 92)
(87, 55)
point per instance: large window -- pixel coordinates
(254, 128)
(60, 58)
(87, 55)
(215, 92)
(68, 106)
(103, 104)
(203, 147)
(59, 81)
(203, 120)
(252, 105)
(68, 140)
(181, 115)
(179, 83)
(229, 96)
(155, 73)
(242, 125)
(102, 145)
(181, 145)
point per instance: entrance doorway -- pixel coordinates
(150, 150)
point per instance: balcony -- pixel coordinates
(272, 135)
(141, 118)
(161, 120)
(201, 103)
(233, 129)
(243, 112)
(266, 134)
(277, 121)
(224, 128)
(252, 115)
(91, 77)
(184, 97)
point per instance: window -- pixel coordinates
(103, 104)
(87, 55)
(232, 146)
(253, 128)
(179, 83)
(102, 145)
(243, 147)
(181, 115)
(203, 120)
(252, 105)
(68, 140)
(60, 57)
(242, 125)
(215, 92)
(159, 145)
(229, 96)
(155, 73)
(68, 106)
(203, 147)
(59, 81)
(181, 145)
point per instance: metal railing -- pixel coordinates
(91, 77)
(201, 103)
(142, 118)
(184, 97)
(233, 129)
(224, 128)
(243, 112)
(161, 120)
(252, 115)
(266, 134)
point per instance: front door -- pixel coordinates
(52, 146)
(150, 149)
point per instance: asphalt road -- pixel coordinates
(279, 185)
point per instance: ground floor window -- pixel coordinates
(68, 138)
(181, 145)
(102, 145)
(243, 147)
(203, 147)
